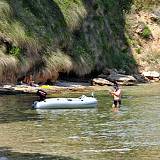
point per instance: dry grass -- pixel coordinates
(73, 11)
(58, 61)
(54, 62)
(8, 67)
(82, 66)
(5, 10)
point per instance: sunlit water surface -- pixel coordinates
(88, 134)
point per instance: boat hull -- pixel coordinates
(66, 103)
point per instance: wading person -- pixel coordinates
(116, 93)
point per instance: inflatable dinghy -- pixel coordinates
(66, 103)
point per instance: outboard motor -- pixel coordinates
(42, 94)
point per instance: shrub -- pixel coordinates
(15, 51)
(138, 50)
(146, 32)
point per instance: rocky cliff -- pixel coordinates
(46, 37)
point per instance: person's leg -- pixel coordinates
(115, 103)
(118, 103)
(116, 106)
(113, 106)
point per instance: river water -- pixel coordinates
(88, 134)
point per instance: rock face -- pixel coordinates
(101, 82)
(140, 78)
(121, 78)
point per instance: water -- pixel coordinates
(88, 134)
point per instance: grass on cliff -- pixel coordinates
(50, 36)
(25, 33)
(73, 11)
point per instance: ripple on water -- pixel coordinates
(92, 134)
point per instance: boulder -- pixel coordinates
(107, 71)
(102, 76)
(101, 82)
(151, 74)
(121, 78)
(154, 17)
(140, 78)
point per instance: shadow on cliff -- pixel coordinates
(104, 27)
(7, 154)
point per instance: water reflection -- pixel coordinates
(7, 154)
(16, 108)
(54, 113)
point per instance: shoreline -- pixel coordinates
(19, 89)
(67, 87)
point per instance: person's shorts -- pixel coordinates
(116, 102)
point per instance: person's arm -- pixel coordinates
(117, 93)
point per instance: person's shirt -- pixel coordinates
(117, 94)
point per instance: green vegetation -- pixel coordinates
(146, 32)
(73, 11)
(138, 50)
(15, 51)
